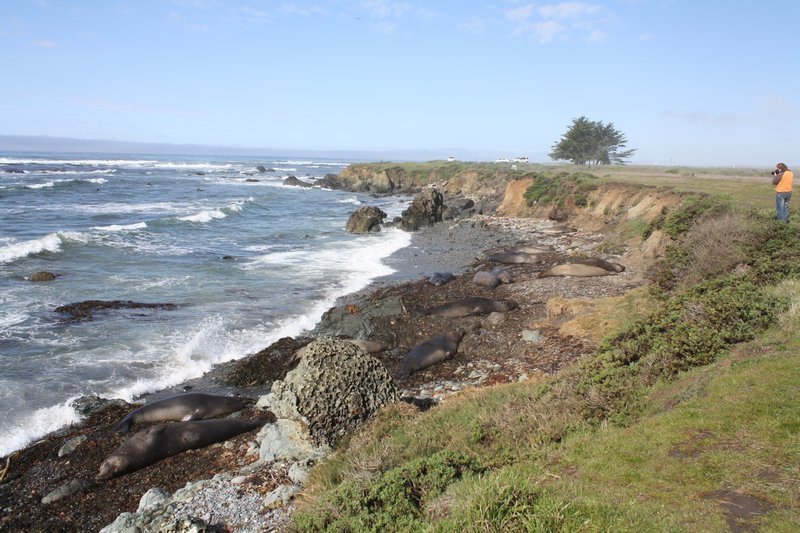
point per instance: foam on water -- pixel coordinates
(48, 243)
(36, 425)
(117, 227)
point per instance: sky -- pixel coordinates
(695, 82)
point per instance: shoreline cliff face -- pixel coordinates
(491, 353)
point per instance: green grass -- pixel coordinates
(692, 403)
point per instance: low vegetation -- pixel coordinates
(685, 418)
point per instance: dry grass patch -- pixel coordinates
(593, 318)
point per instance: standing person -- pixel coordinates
(782, 179)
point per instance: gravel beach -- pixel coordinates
(495, 350)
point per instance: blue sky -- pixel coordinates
(688, 82)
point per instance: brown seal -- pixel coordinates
(574, 269)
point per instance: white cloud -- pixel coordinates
(473, 25)
(598, 36)
(558, 21)
(45, 43)
(548, 30)
(568, 10)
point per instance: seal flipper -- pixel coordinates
(125, 425)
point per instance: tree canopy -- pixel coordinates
(588, 142)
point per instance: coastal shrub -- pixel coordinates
(690, 329)
(680, 220)
(394, 501)
(560, 188)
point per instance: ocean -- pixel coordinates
(245, 259)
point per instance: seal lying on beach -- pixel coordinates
(503, 275)
(369, 346)
(471, 306)
(440, 278)
(190, 406)
(531, 249)
(602, 263)
(574, 269)
(557, 230)
(515, 258)
(432, 351)
(164, 440)
(486, 279)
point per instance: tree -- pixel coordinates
(592, 143)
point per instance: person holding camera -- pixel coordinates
(782, 179)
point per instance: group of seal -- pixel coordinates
(192, 430)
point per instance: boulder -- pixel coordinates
(334, 389)
(261, 168)
(42, 276)
(365, 220)
(355, 321)
(294, 181)
(85, 310)
(426, 209)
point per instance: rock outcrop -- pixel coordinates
(42, 276)
(294, 181)
(426, 209)
(334, 389)
(365, 220)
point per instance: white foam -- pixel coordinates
(44, 185)
(49, 243)
(36, 425)
(219, 213)
(204, 216)
(117, 227)
(210, 343)
(350, 200)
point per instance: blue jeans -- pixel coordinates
(782, 206)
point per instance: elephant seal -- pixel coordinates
(557, 230)
(471, 306)
(190, 406)
(602, 263)
(151, 445)
(574, 269)
(503, 275)
(432, 351)
(531, 249)
(486, 279)
(440, 278)
(369, 346)
(515, 258)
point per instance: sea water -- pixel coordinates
(245, 259)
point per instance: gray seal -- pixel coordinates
(472, 306)
(151, 445)
(515, 258)
(369, 346)
(532, 249)
(574, 269)
(503, 275)
(190, 406)
(432, 351)
(486, 279)
(440, 278)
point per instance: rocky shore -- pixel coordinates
(248, 483)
